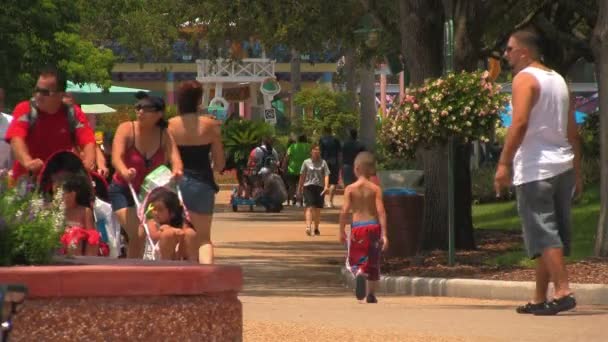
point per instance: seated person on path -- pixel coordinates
(167, 224)
(262, 156)
(34, 138)
(368, 229)
(80, 236)
(273, 192)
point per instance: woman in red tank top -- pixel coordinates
(139, 147)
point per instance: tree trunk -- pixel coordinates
(296, 85)
(367, 97)
(599, 45)
(467, 34)
(421, 22)
(467, 44)
(350, 70)
(435, 232)
(463, 198)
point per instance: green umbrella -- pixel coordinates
(97, 109)
(90, 93)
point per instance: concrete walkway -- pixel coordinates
(294, 292)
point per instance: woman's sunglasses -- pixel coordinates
(146, 108)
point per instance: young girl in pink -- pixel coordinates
(80, 236)
(168, 225)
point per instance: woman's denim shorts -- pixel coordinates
(120, 197)
(199, 197)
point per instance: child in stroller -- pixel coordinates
(80, 236)
(167, 224)
(85, 195)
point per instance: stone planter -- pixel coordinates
(100, 299)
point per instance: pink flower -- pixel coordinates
(416, 106)
(444, 113)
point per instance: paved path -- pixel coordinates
(293, 292)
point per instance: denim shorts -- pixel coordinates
(199, 196)
(120, 196)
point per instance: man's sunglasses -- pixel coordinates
(44, 91)
(146, 108)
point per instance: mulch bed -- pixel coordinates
(472, 264)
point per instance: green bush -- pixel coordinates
(482, 185)
(590, 171)
(590, 149)
(29, 228)
(240, 137)
(590, 136)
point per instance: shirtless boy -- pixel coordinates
(368, 228)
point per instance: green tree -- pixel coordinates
(40, 32)
(326, 108)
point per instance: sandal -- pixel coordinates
(557, 305)
(530, 308)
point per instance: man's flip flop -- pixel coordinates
(530, 308)
(556, 306)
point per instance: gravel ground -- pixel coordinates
(261, 331)
(472, 264)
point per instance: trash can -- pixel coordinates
(404, 214)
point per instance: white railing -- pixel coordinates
(226, 70)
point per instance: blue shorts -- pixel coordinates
(120, 197)
(199, 197)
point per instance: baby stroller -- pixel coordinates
(160, 178)
(67, 162)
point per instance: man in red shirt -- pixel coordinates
(51, 132)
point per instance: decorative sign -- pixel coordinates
(218, 107)
(269, 87)
(270, 116)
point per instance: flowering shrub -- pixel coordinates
(464, 105)
(30, 227)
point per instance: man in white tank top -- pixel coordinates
(541, 158)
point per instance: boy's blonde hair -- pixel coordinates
(365, 163)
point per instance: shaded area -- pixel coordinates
(290, 268)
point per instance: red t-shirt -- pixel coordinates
(50, 134)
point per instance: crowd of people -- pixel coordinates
(51, 122)
(541, 158)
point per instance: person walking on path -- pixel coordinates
(197, 137)
(139, 147)
(314, 183)
(542, 152)
(367, 236)
(331, 151)
(294, 158)
(350, 150)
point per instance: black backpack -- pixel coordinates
(32, 118)
(268, 159)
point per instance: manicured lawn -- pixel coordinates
(503, 216)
